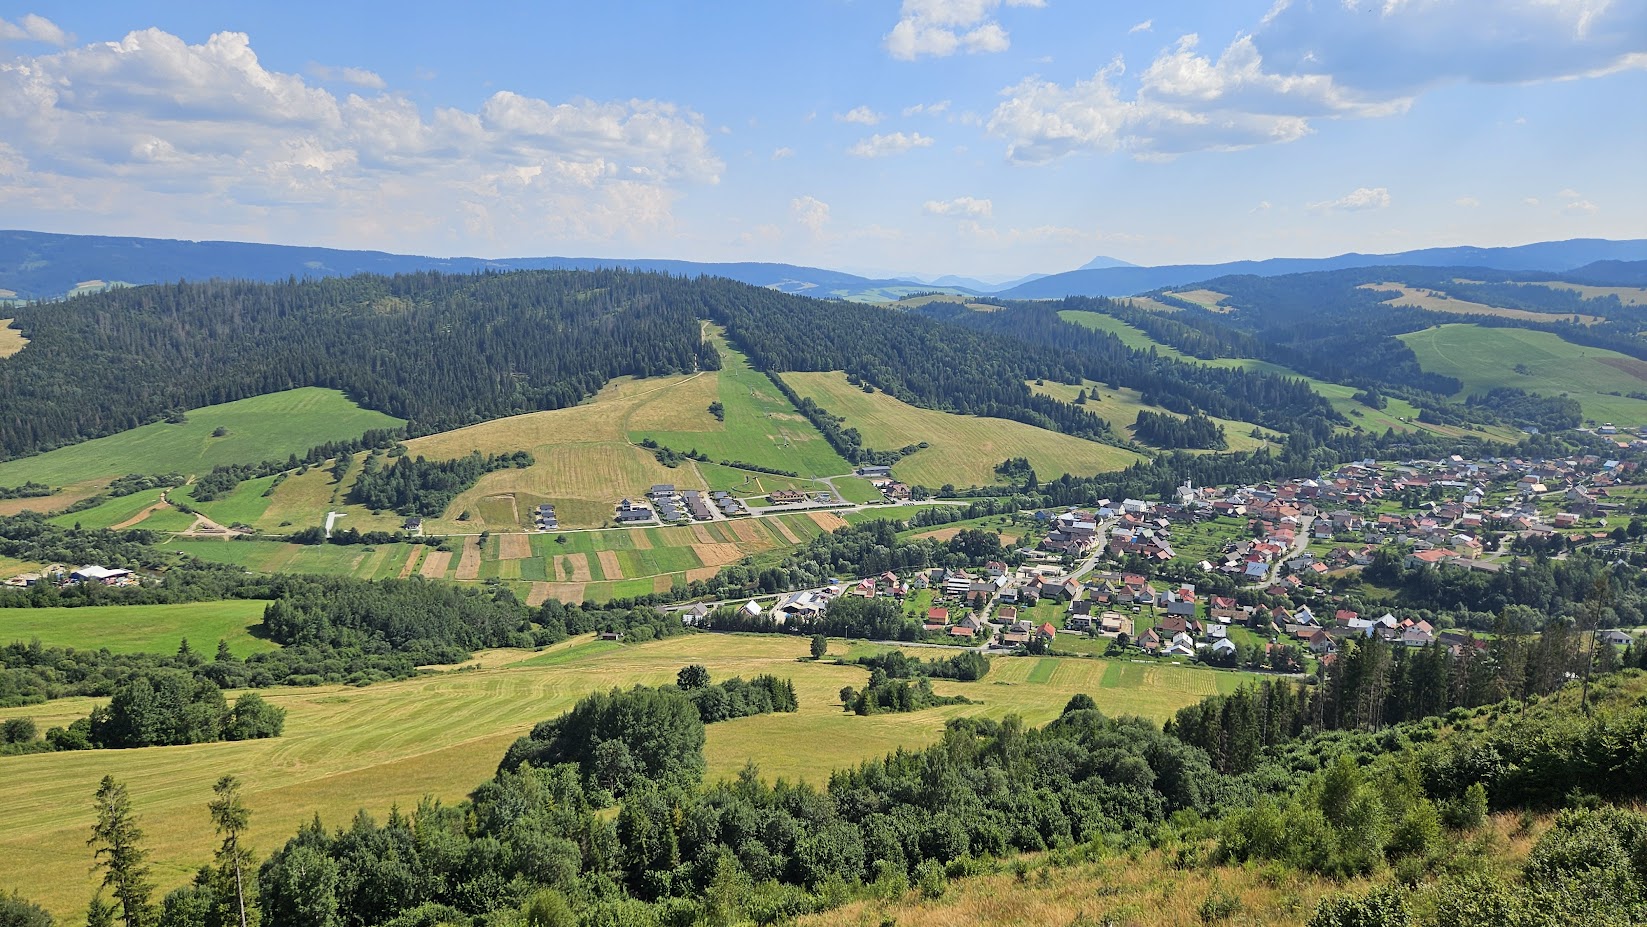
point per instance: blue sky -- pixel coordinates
(989, 138)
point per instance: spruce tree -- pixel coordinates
(117, 840)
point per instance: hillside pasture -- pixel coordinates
(141, 628)
(1210, 300)
(761, 426)
(1120, 407)
(269, 427)
(1484, 358)
(440, 735)
(963, 449)
(1398, 414)
(1432, 301)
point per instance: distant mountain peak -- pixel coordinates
(1101, 262)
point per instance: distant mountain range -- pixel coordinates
(1552, 256)
(43, 265)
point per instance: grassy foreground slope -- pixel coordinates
(440, 735)
(964, 449)
(141, 628)
(268, 427)
(1484, 358)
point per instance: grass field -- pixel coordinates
(1120, 407)
(11, 339)
(440, 735)
(964, 449)
(262, 428)
(141, 628)
(761, 427)
(1210, 300)
(1398, 414)
(1484, 358)
(1403, 295)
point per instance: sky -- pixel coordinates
(986, 138)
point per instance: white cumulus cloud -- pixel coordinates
(152, 130)
(810, 212)
(879, 146)
(1303, 63)
(1144, 26)
(359, 77)
(1358, 199)
(943, 27)
(960, 206)
(34, 28)
(862, 115)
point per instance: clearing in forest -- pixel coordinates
(1483, 358)
(11, 339)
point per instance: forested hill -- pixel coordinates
(43, 265)
(439, 351)
(442, 351)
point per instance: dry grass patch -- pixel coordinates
(828, 521)
(942, 534)
(514, 546)
(412, 558)
(776, 524)
(574, 568)
(714, 555)
(701, 534)
(1210, 300)
(1440, 302)
(609, 565)
(747, 531)
(469, 563)
(434, 565)
(538, 595)
(11, 339)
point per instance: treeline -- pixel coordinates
(29, 490)
(416, 486)
(1519, 407)
(735, 698)
(1544, 587)
(885, 694)
(31, 538)
(1370, 685)
(440, 351)
(966, 667)
(1169, 431)
(165, 708)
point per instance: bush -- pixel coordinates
(931, 879)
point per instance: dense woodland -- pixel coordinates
(415, 486)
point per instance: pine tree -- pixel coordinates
(116, 838)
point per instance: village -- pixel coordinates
(1167, 579)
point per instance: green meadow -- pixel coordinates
(1484, 358)
(141, 628)
(269, 427)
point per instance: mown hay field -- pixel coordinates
(964, 449)
(392, 744)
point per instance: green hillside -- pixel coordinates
(267, 427)
(1484, 358)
